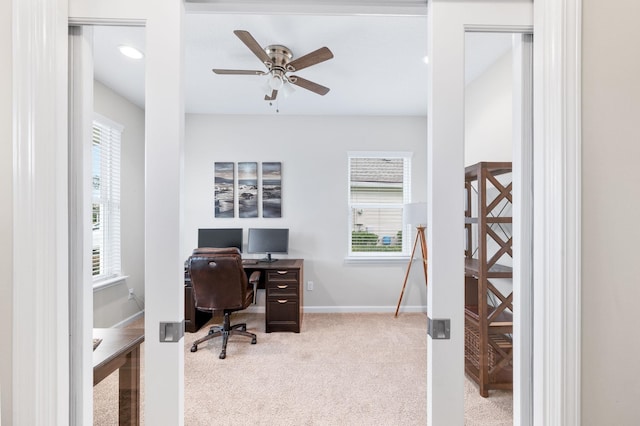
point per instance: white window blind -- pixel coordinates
(379, 187)
(106, 257)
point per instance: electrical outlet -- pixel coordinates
(131, 295)
(309, 285)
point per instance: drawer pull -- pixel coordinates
(282, 286)
(281, 301)
(282, 272)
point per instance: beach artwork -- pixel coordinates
(248, 189)
(224, 190)
(272, 189)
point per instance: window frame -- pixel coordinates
(380, 256)
(112, 239)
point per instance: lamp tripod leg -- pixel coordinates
(406, 276)
(423, 244)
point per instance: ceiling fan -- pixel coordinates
(279, 62)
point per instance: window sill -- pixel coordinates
(109, 282)
(376, 259)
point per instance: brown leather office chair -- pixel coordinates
(220, 284)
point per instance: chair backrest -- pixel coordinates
(218, 279)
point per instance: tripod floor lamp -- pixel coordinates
(415, 214)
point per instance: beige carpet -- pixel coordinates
(342, 369)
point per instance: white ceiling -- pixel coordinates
(377, 69)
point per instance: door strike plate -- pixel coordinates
(439, 328)
(171, 331)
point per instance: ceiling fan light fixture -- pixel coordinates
(275, 82)
(130, 52)
(287, 90)
(266, 87)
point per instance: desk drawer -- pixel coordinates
(285, 275)
(288, 289)
(283, 314)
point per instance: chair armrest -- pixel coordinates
(253, 279)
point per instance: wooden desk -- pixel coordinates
(120, 349)
(282, 281)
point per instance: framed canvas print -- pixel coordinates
(271, 189)
(223, 190)
(248, 189)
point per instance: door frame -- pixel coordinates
(80, 242)
(557, 212)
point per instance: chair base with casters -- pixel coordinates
(225, 330)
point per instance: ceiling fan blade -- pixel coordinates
(273, 96)
(239, 72)
(253, 45)
(309, 85)
(315, 57)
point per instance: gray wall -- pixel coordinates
(111, 305)
(488, 113)
(313, 152)
(611, 202)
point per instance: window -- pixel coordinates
(379, 186)
(105, 154)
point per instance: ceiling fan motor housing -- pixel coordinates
(280, 56)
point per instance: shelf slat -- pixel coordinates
(472, 268)
(505, 319)
(500, 219)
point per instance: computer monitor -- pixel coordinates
(220, 237)
(269, 241)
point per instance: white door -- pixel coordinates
(164, 118)
(448, 22)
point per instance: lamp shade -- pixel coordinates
(415, 214)
(275, 82)
(287, 89)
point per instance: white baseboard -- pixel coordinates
(258, 308)
(125, 322)
(361, 309)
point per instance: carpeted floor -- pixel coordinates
(342, 369)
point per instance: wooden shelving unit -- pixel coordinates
(488, 310)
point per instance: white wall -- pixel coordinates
(611, 202)
(488, 111)
(488, 136)
(313, 152)
(111, 304)
(6, 212)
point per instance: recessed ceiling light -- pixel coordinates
(425, 60)
(130, 52)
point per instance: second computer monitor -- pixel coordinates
(269, 241)
(220, 237)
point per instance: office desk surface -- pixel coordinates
(120, 349)
(116, 342)
(279, 263)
